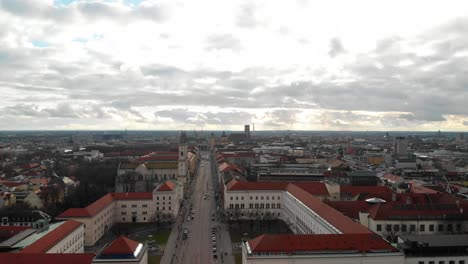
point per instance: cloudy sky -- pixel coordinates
(305, 65)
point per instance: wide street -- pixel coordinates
(198, 247)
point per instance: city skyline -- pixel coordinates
(171, 65)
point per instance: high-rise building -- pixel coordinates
(247, 131)
(401, 147)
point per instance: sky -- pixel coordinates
(217, 65)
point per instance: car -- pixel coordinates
(192, 217)
(214, 249)
(188, 218)
(213, 238)
(186, 231)
(184, 237)
(212, 218)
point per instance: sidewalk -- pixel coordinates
(170, 249)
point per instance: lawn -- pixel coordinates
(238, 229)
(161, 237)
(154, 259)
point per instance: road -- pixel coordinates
(198, 248)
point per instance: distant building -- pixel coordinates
(33, 218)
(401, 147)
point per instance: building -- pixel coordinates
(58, 237)
(149, 170)
(401, 147)
(447, 249)
(52, 258)
(323, 248)
(33, 218)
(113, 208)
(123, 250)
(168, 197)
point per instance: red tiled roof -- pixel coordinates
(289, 243)
(244, 186)
(132, 196)
(102, 203)
(349, 208)
(52, 238)
(332, 216)
(382, 192)
(27, 258)
(167, 186)
(392, 177)
(12, 183)
(395, 210)
(314, 188)
(121, 245)
(421, 189)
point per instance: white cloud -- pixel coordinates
(280, 64)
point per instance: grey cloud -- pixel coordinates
(223, 41)
(336, 47)
(465, 123)
(181, 115)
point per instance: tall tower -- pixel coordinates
(247, 131)
(183, 150)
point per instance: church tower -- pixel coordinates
(183, 150)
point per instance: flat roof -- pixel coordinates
(439, 240)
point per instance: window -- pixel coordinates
(403, 228)
(272, 197)
(396, 228)
(278, 197)
(242, 206)
(379, 228)
(134, 205)
(123, 218)
(452, 262)
(458, 227)
(431, 228)
(278, 206)
(388, 228)
(422, 228)
(449, 227)
(441, 262)
(420, 262)
(237, 198)
(157, 198)
(441, 228)
(144, 213)
(256, 197)
(123, 206)
(169, 197)
(461, 262)
(251, 206)
(256, 206)
(237, 206)
(232, 198)
(267, 206)
(251, 198)
(431, 262)
(144, 206)
(262, 206)
(242, 198)
(268, 198)
(123, 213)
(261, 197)
(134, 213)
(169, 208)
(164, 197)
(273, 206)
(412, 228)
(231, 206)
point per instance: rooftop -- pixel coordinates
(14, 258)
(47, 237)
(103, 202)
(319, 243)
(122, 247)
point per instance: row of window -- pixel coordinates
(422, 228)
(256, 206)
(442, 262)
(163, 197)
(164, 203)
(134, 205)
(256, 198)
(252, 214)
(134, 213)
(163, 208)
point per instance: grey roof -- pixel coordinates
(362, 174)
(17, 238)
(439, 240)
